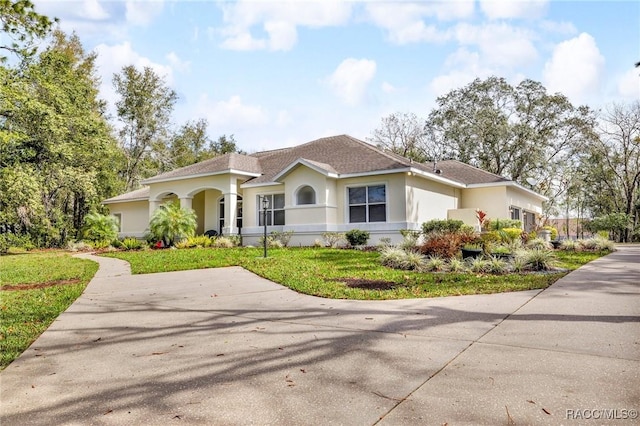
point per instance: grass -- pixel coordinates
(345, 274)
(36, 288)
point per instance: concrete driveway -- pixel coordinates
(226, 347)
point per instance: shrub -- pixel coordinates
(570, 245)
(478, 265)
(392, 257)
(283, 238)
(100, 244)
(171, 223)
(537, 259)
(100, 227)
(412, 261)
(222, 242)
(409, 239)
(444, 225)
(446, 244)
(356, 237)
(434, 263)
(539, 244)
(497, 224)
(496, 265)
(78, 246)
(384, 242)
(318, 243)
(596, 244)
(131, 243)
(9, 240)
(507, 235)
(332, 239)
(456, 265)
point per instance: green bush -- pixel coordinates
(442, 225)
(508, 235)
(356, 237)
(171, 223)
(498, 224)
(539, 243)
(131, 243)
(100, 227)
(538, 259)
(554, 231)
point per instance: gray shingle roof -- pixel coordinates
(138, 194)
(341, 155)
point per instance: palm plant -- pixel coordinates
(171, 223)
(100, 227)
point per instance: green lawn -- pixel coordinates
(37, 287)
(25, 311)
(344, 274)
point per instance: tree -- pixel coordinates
(190, 144)
(172, 223)
(402, 134)
(144, 109)
(224, 145)
(56, 148)
(22, 26)
(612, 165)
(519, 132)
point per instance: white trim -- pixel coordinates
(297, 190)
(257, 185)
(306, 163)
(310, 206)
(197, 175)
(431, 176)
(107, 202)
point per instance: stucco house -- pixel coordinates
(332, 184)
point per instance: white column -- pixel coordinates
(210, 209)
(185, 202)
(231, 208)
(153, 205)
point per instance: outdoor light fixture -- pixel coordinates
(265, 206)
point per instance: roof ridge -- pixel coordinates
(478, 168)
(378, 150)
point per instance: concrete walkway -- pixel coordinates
(225, 347)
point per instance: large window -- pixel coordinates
(275, 211)
(238, 213)
(368, 204)
(306, 195)
(118, 217)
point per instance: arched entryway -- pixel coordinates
(221, 213)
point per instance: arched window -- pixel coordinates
(306, 195)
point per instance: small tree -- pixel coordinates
(100, 227)
(172, 223)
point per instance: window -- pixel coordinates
(118, 217)
(306, 195)
(368, 204)
(515, 213)
(275, 211)
(238, 213)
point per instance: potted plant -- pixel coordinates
(502, 252)
(471, 250)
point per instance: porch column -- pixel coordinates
(231, 208)
(185, 202)
(153, 205)
(210, 208)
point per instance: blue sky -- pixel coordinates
(278, 74)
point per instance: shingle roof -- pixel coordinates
(232, 161)
(138, 194)
(341, 155)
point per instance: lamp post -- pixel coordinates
(265, 206)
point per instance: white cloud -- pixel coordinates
(405, 22)
(279, 20)
(350, 79)
(177, 63)
(563, 28)
(231, 114)
(143, 12)
(465, 66)
(512, 9)
(629, 84)
(500, 44)
(91, 9)
(575, 68)
(388, 87)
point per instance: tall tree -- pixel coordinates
(402, 134)
(612, 163)
(21, 27)
(520, 132)
(190, 144)
(144, 110)
(56, 148)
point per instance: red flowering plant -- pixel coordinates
(482, 217)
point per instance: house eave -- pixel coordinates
(258, 185)
(107, 202)
(511, 184)
(198, 175)
(302, 162)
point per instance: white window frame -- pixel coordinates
(366, 203)
(270, 210)
(239, 220)
(515, 211)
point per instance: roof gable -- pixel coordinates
(227, 163)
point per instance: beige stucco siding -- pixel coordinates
(134, 217)
(427, 200)
(250, 207)
(524, 200)
(491, 200)
(187, 188)
(310, 214)
(395, 192)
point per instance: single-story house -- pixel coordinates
(332, 184)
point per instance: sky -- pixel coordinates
(278, 74)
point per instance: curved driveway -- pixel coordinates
(225, 347)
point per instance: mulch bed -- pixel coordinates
(368, 284)
(13, 287)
